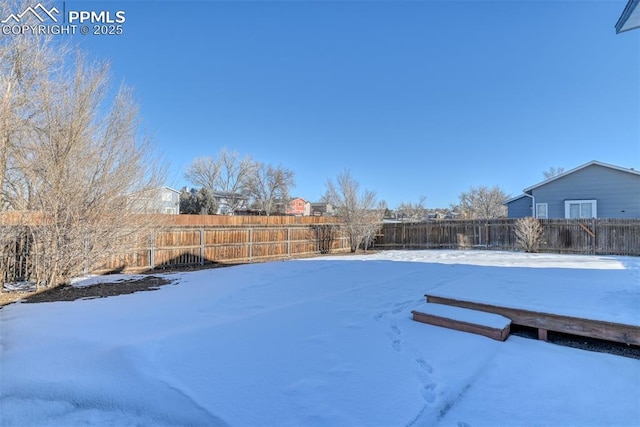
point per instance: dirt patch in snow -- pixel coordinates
(99, 290)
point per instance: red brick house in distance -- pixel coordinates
(295, 207)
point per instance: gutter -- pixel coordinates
(533, 205)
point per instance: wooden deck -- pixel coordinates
(609, 331)
(465, 320)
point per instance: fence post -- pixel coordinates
(201, 245)
(288, 241)
(487, 235)
(595, 235)
(152, 251)
(250, 243)
(85, 257)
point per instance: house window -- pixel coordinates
(166, 197)
(542, 211)
(580, 209)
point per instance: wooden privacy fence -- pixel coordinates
(183, 241)
(583, 236)
(180, 246)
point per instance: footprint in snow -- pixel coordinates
(429, 393)
(424, 365)
(401, 307)
(396, 342)
(395, 329)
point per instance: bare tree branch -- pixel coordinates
(270, 185)
(409, 211)
(73, 154)
(482, 202)
(360, 210)
(552, 172)
(204, 172)
(228, 174)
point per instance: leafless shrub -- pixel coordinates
(412, 211)
(528, 233)
(71, 153)
(325, 236)
(360, 210)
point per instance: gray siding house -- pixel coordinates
(164, 200)
(229, 203)
(630, 18)
(593, 190)
(168, 201)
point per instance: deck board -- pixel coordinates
(465, 320)
(609, 331)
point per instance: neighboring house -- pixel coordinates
(318, 209)
(593, 190)
(630, 18)
(228, 202)
(295, 207)
(164, 200)
(169, 202)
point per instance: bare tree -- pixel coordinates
(204, 172)
(228, 173)
(360, 210)
(409, 211)
(528, 233)
(270, 185)
(482, 202)
(235, 171)
(552, 172)
(74, 155)
(25, 61)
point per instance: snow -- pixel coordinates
(323, 342)
(475, 317)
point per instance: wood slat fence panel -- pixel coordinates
(584, 236)
(230, 240)
(188, 246)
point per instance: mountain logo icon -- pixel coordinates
(38, 11)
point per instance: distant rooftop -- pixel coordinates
(630, 18)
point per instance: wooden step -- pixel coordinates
(543, 322)
(463, 319)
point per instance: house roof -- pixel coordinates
(229, 195)
(591, 163)
(513, 199)
(630, 18)
(170, 189)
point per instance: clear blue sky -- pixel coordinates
(415, 98)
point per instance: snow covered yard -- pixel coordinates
(323, 342)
